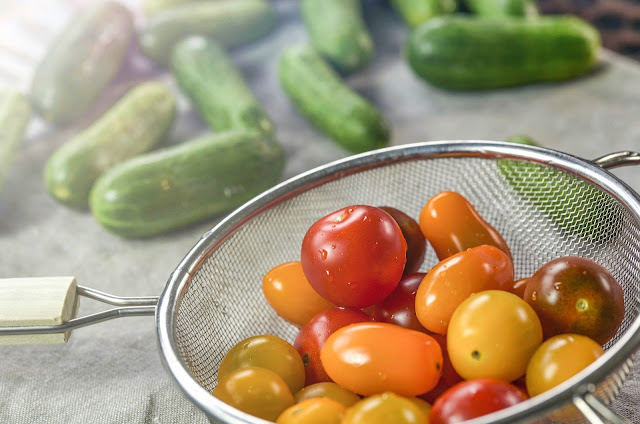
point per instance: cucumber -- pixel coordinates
(503, 8)
(135, 124)
(466, 53)
(208, 76)
(175, 186)
(328, 103)
(590, 211)
(15, 112)
(81, 62)
(415, 12)
(337, 30)
(150, 7)
(231, 22)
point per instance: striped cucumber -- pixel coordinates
(15, 113)
(81, 62)
(135, 124)
(329, 104)
(415, 12)
(230, 22)
(503, 8)
(208, 76)
(175, 186)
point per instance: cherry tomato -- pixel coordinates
(266, 351)
(576, 295)
(519, 287)
(474, 398)
(449, 375)
(256, 391)
(400, 306)
(452, 280)
(559, 358)
(313, 411)
(416, 243)
(451, 224)
(327, 390)
(355, 256)
(376, 357)
(289, 293)
(493, 334)
(422, 404)
(314, 333)
(385, 408)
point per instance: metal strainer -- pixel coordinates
(545, 204)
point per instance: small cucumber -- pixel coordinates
(15, 112)
(574, 206)
(415, 12)
(208, 76)
(150, 7)
(337, 30)
(230, 22)
(182, 184)
(81, 62)
(135, 124)
(503, 8)
(328, 103)
(466, 53)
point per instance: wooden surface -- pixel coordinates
(113, 372)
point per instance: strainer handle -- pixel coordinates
(44, 310)
(616, 159)
(596, 412)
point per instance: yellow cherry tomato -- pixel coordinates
(329, 390)
(493, 334)
(290, 295)
(266, 351)
(256, 391)
(559, 358)
(385, 408)
(313, 411)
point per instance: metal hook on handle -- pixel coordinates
(617, 159)
(43, 310)
(595, 411)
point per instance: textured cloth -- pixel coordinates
(112, 372)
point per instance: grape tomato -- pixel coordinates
(416, 243)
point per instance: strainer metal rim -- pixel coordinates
(578, 385)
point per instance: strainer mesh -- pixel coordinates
(542, 213)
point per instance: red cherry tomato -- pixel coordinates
(416, 243)
(449, 376)
(451, 224)
(454, 279)
(355, 256)
(576, 295)
(377, 357)
(474, 398)
(400, 306)
(316, 331)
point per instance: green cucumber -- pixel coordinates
(337, 30)
(322, 97)
(135, 124)
(208, 76)
(415, 12)
(575, 206)
(15, 113)
(230, 22)
(466, 53)
(503, 8)
(81, 62)
(150, 7)
(175, 186)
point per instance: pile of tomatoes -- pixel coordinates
(380, 341)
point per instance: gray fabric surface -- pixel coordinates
(112, 372)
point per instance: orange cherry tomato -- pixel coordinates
(289, 293)
(451, 224)
(386, 408)
(372, 358)
(313, 411)
(559, 358)
(327, 389)
(493, 334)
(453, 279)
(449, 376)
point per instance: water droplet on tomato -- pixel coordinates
(324, 254)
(333, 246)
(534, 296)
(557, 285)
